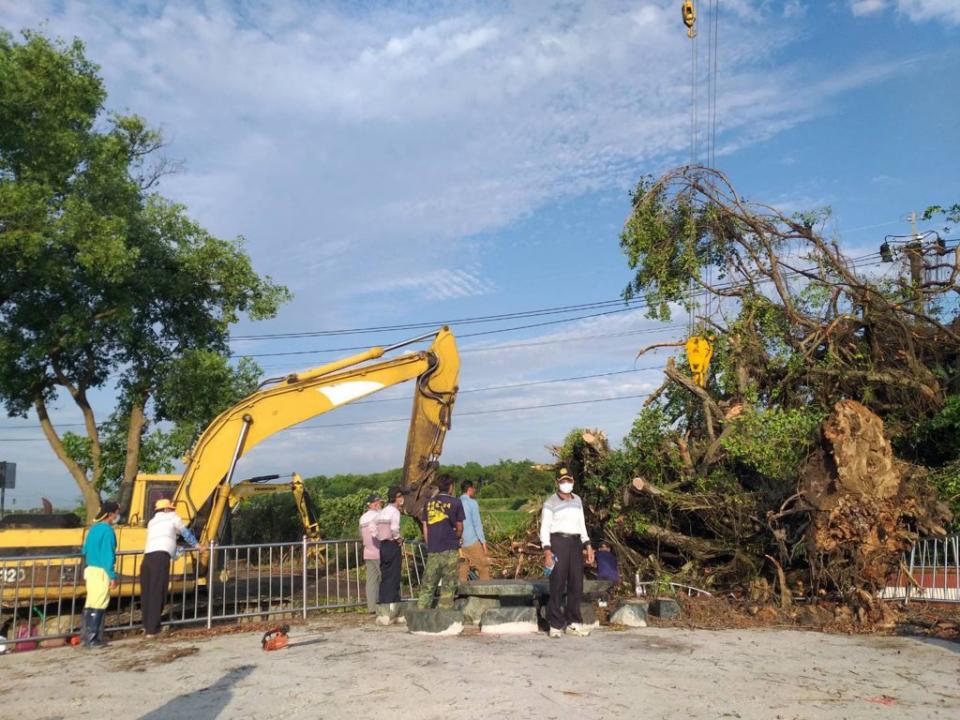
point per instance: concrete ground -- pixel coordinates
(345, 667)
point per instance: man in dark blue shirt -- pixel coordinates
(442, 528)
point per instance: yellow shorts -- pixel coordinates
(98, 588)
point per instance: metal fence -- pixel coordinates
(42, 596)
(929, 572)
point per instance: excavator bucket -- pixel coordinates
(699, 352)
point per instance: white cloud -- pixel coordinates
(369, 145)
(922, 10)
(793, 9)
(947, 11)
(861, 8)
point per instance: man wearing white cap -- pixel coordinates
(161, 546)
(563, 536)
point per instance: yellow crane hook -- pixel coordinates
(689, 18)
(699, 351)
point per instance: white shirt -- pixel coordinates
(162, 533)
(368, 534)
(388, 523)
(562, 516)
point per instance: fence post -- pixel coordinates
(210, 580)
(303, 585)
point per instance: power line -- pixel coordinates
(493, 411)
(437, 323)
(489, 388)
(472, 320)
(532, 383)
(492, 348)
(479, 333)
(569, 339)
(858, 261)
(724, 286)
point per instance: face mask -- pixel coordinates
(566, 487)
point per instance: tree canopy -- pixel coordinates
(103, 282)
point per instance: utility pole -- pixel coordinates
(914, 251)
(915, 247)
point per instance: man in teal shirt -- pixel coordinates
(474, 550)
(99, 554)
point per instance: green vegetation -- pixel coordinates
(505, 490)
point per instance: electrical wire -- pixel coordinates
(473, 413)
(458, 416)
(464, 391)
(637, 306)
(857, 262)
(437, 323)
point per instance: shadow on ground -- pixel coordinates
(206, 702)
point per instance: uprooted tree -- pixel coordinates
(780, 472)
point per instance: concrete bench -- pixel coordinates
(478, 596)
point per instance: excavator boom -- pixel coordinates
(284, 402)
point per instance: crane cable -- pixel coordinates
(699, 349)
(689, 14)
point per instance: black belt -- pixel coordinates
(570, 535)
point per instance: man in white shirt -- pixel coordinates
(391, 556)
(563, 536)
(371, 549)
(162, 532)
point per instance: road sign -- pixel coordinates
(8, 475)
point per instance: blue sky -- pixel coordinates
(404, 162)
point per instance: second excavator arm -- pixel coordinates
(259, 486)
(283, 402)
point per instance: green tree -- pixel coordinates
(104, 283)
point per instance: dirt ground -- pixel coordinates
(346, 667)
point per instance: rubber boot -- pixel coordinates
(101, 619)
(88, 631)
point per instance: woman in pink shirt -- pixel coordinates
(371, 549)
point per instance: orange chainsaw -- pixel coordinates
(275, 639)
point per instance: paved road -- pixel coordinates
(348, 668)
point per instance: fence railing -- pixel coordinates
(42, 596)
(929, 572)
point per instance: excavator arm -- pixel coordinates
(281, 403)
(259, 486)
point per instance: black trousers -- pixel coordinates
(566, 579)
(391, 565)
(154, 578)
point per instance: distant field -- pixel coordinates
(498, 525)
(501, 504)
(500, 516)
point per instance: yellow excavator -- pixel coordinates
(204, 494)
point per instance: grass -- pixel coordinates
(501, 518)
(501, 504)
